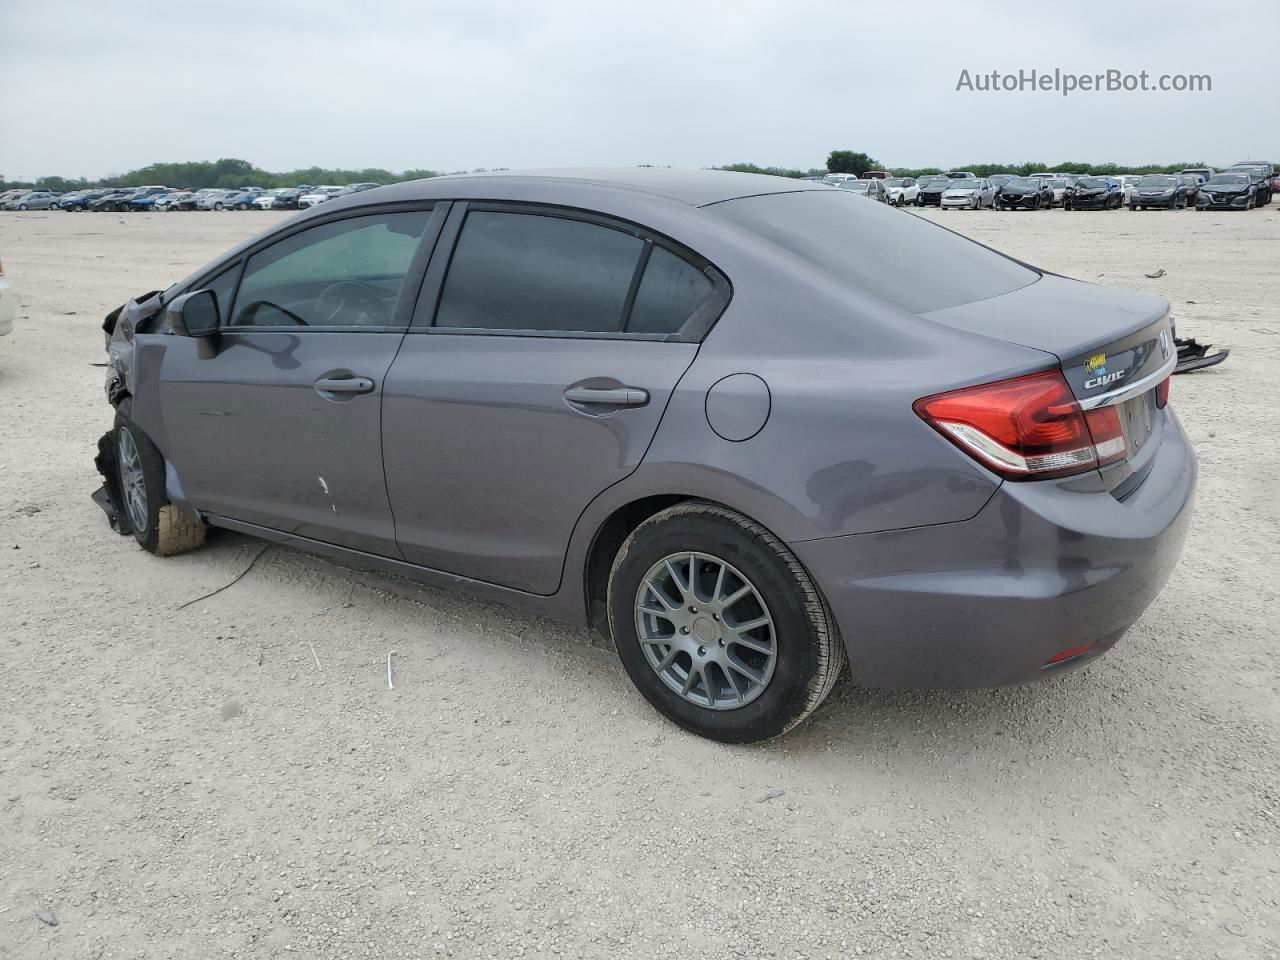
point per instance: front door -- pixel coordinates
(282, 428)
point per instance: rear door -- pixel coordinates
(282, 427)
(543, 352)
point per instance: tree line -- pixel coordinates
(230, 173)
(849, 161)
(226, 173)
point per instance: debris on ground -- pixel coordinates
(1193, 355)
(1157, 275)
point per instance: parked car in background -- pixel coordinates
(276, 199)
(8, 309)
(142, 202)
(111, 200)
(875, 175)
(1059, 187)
(902, 190)
(80, 200)
(832, 178)
(1203, 172)
(33, 200)
(998, 180)
(871, 189)
(972, 193)
(214, 200)
(1128, 184)
(1262, 173)
(241, 199)
(931, 189)
(1229, 190)
(12, 194)
(169, 201)
(996, 510)
(1094, 193)
(362, 187)
(1192, 182)
(1025, 193)
(960, 175)
(322, 194)
(1160, 191)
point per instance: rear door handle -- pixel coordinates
(608, 396)
(344, 385)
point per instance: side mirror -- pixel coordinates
(196, 315)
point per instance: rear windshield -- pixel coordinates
(897, 256)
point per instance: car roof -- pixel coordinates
(694, 187)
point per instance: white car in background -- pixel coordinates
(7, 306)
(902, 190)
(318, 195)
(1059, 187)
(1128, 185)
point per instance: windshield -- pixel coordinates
(1158, 182)
(1091, 182)
(862, 185)
(1227, 180)
(1024, 183)
(902, 259)
(894, 182)
(926, 181)
(967, 184)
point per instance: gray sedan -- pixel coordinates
(36, 200)
(751, 428)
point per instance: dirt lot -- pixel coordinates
(188, 783)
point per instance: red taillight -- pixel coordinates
(1026, 427)
(1162, 392)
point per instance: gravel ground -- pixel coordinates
(234, 778)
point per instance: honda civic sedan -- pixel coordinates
(753, 429)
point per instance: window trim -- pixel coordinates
(437, 211)
(694, 329)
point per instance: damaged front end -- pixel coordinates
(141, 314)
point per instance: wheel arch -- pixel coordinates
(613, 530)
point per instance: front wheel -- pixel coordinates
(158, 525)
(719, 626)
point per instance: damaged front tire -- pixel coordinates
(159, 526)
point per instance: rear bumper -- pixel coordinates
(1045, 567)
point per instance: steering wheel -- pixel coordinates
(352, 303)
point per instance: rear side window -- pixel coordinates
(894, 255)
(670, 291)
(529, 272)
(347, 273)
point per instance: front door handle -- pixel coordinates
(608, 396)
(344, 385)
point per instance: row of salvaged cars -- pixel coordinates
(152, 198)
(1242, 186)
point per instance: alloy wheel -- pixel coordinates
(706, 630)
(133, 485)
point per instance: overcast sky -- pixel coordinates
(95, 88)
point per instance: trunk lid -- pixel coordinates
(1114, 347)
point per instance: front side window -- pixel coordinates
(530, 272)
(347, 273)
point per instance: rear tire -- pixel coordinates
(158, 525)
(740, 687)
